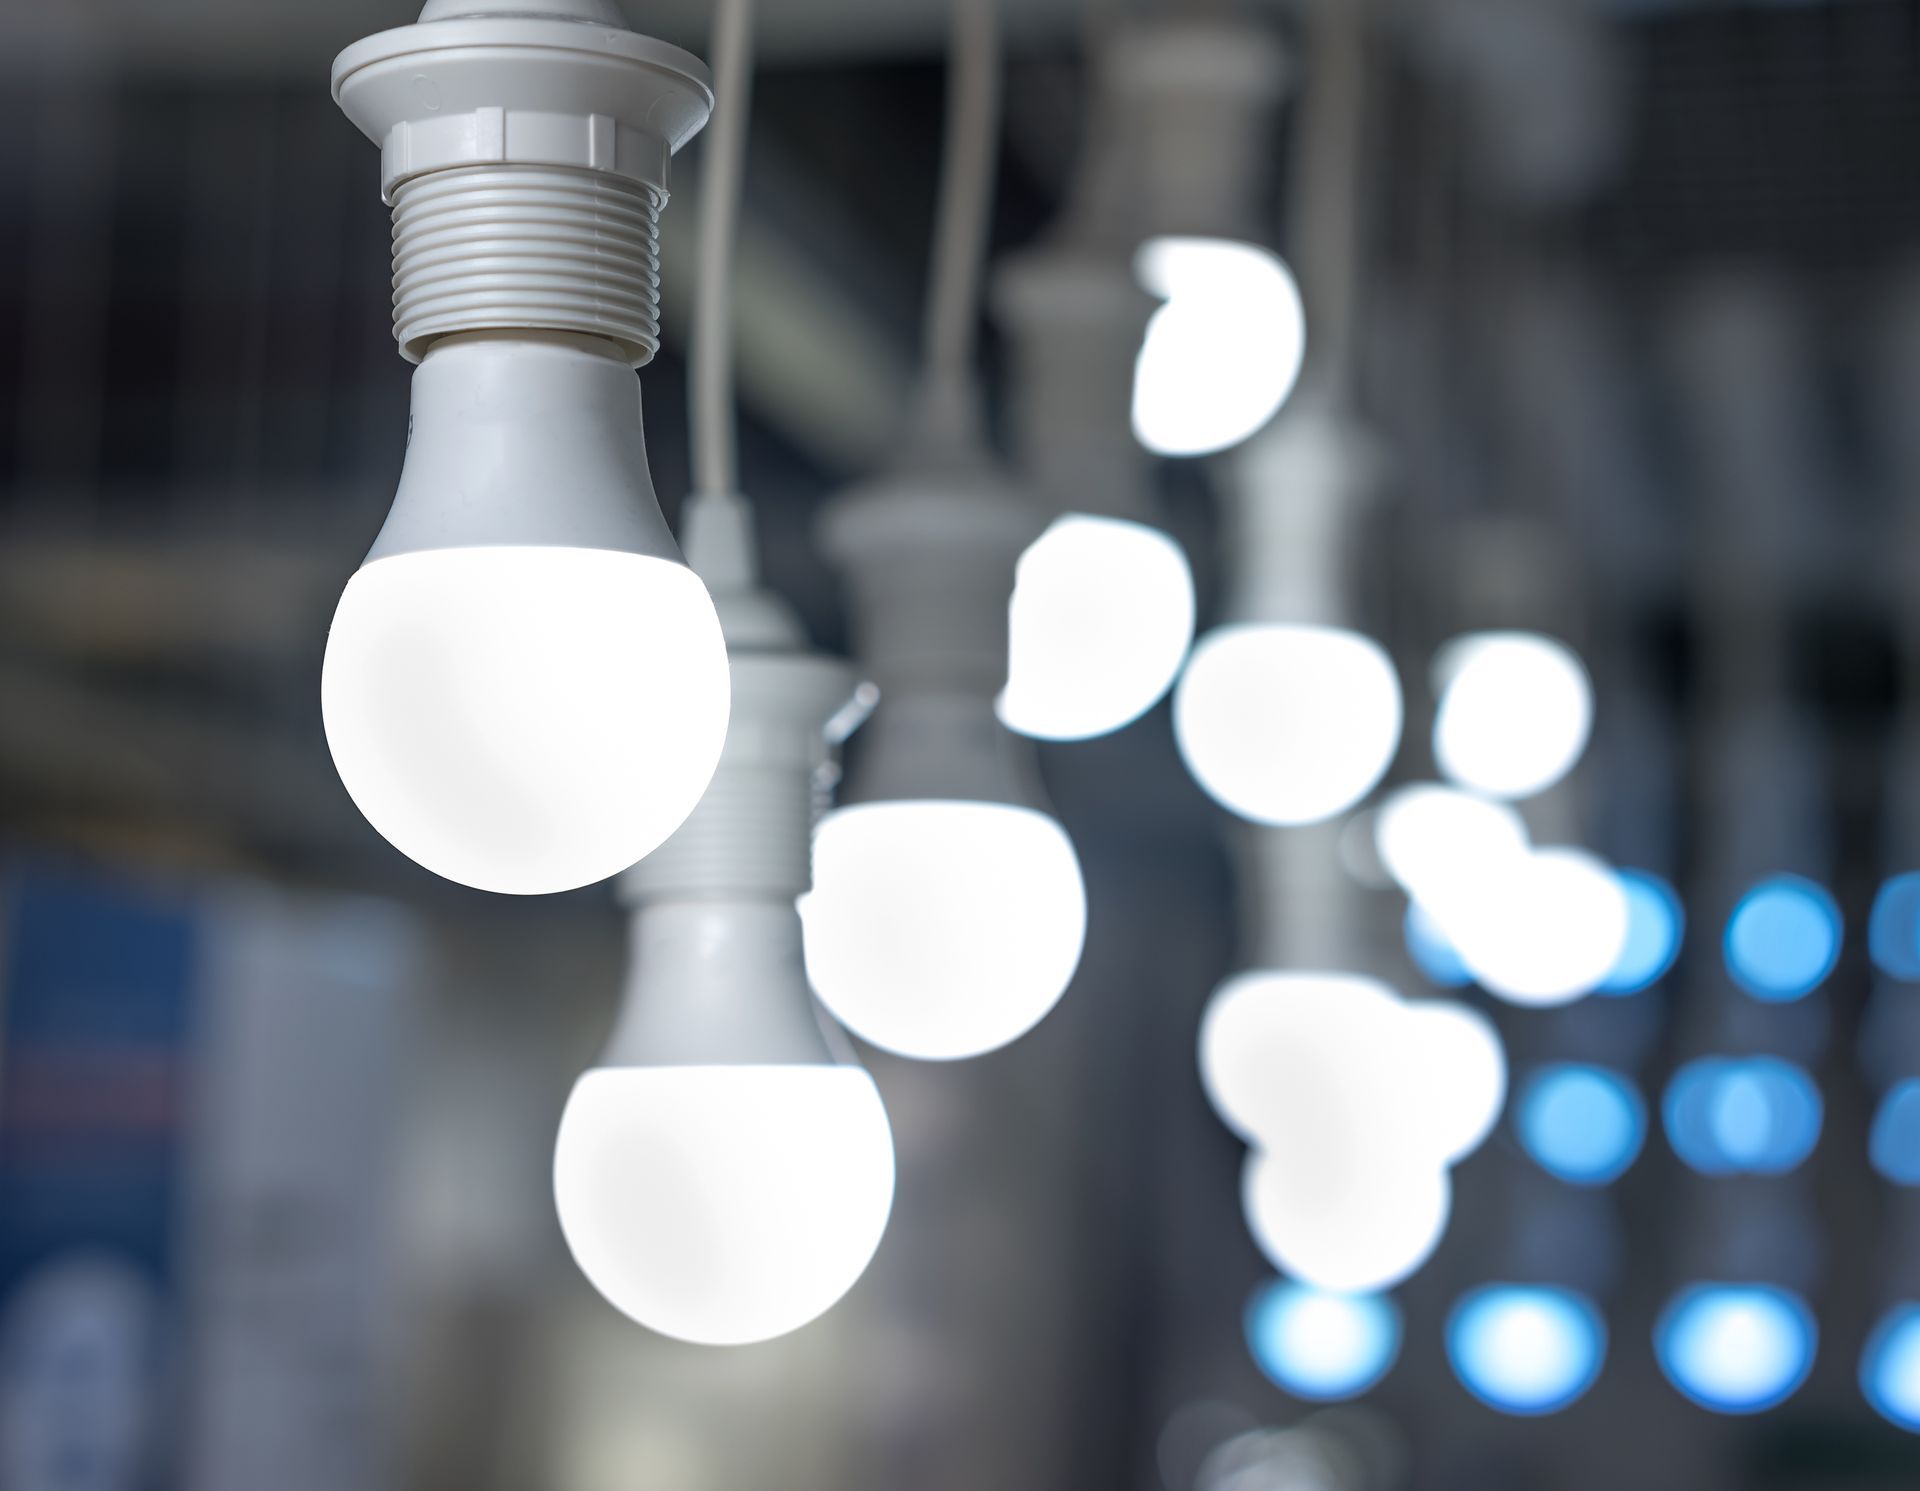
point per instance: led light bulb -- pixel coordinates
(1224, 351)
(1526, 1350)
(1516, 709)
(716, 1200)
(948, 911)
(1101, 620)
(525, 690)
(1287, 724)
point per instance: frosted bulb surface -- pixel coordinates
(1287, 724)
(942, 930)
(723, 1205)
(1221, 356)
(1515, 712)
(525, 719)
(1328, 1221)
(1101, 620)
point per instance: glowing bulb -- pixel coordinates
(1526, 1351)
(1515, 712)
(524, 689)
(1318, 1346)
(1736, 1348)
(1583, 1124)
(1544, 929)
(1432, 839)
(1342, 1217)
(723, 1204)
(1101, 620)
(1461, 1067)
(1890, 1367)
(942, 930)
(1287, 724)
(1783, 939)
(1221, 356)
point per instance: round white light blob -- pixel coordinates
(1515, 712)
(525, 719)
(1287, 724)
(1221, 356)
(1435, 841)
(723, 1205)
(942, 930)
(1736, 1348)
(1101, 620)
(1318, 1346)
(1526, 1351)
(1545, 930)
(1344, 1218)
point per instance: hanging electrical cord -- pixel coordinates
(710, 361)
(948, 413)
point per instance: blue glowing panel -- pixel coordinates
(1526, 1350)
(1895, 1144)
(1655, 926)
(1736, 1348)
(1318, 1346)
(1583, 1124)
(1890, 1367)
(1432, 953)
(1893, 932)
(1783, 939)
(1753, 1115)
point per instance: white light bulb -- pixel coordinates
(1287, 724)
(1434, 839)
(1101, 619)
(1221, 356)
(942, 930)
(1461, 1067)
(524, 689)
(1515, 712)
(1545, 928)
(723, 1204)
(1341, 1218)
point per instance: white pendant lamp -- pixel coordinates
(525, 689)
(948, 910)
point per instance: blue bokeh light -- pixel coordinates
(1755, 1115)
(1318, 1346)
(1526, 1350)
(1736, 1348)
(1655, 926)
(1893, 931)
(1890, 1367)
(1894, 1146)
(1583, 1124)
(1783, 939)
(1431, 952)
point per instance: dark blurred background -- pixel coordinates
(1642, 290)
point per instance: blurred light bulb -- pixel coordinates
(1655, 926)
(942, 930)
(1344, 1219)
(524, 689)
(1526, 1351)
(1435, 840)
(1515, 712)
(1461, 1068)
(1582, 1124)
(1319, 1346)
(723, 1204)
(1101, 620)
(1544, 929)
(1736, 1348)
(1287, 724)
(1890, 1367)
(1221, 356)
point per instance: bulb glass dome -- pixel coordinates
(525, 720)
(1287, 724)
(723, 1205)
(1321, 1347)
(1101, 620)
(1582, 1124)
(1515, 712)
(1222, 354)
(1342, 1219)
(942, 930)
(1526, 1351)
(1736, 1348)
(1890, 1367)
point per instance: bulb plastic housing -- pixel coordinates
(524, 689)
